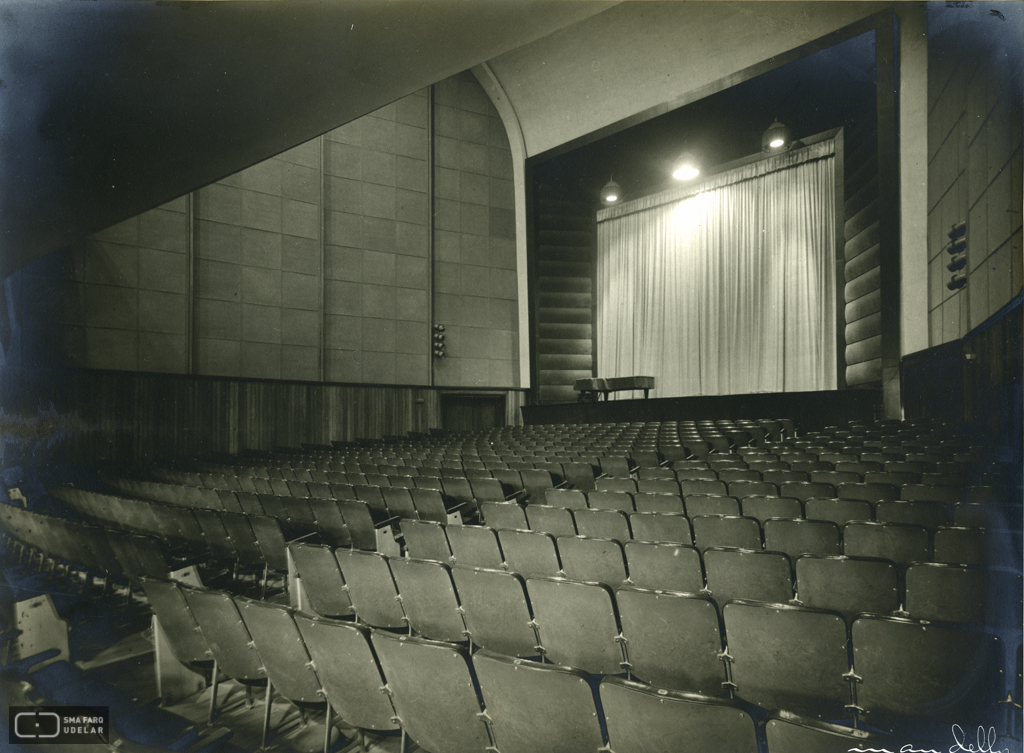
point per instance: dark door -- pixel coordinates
(469, 413)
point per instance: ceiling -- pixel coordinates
(824, 90)
(109, 108)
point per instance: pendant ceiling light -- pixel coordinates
(776, 138)
(685, 167)
(611, 193)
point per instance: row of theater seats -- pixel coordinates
(890, 675)
(427, 594)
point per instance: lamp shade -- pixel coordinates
(611, 193)
(776, 138)
(685, 167)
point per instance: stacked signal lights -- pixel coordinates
(438, 341)
(957, 250)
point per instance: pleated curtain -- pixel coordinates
(729, 289)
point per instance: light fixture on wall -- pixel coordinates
(776, 138)
(439, 349)
(957, 250)
(685, 167)
(611, 193)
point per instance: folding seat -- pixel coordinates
(371, 495)
(645, 459)
(433, 692)
(295, 489)
(226, 637)
(556, 521)
(279, 486)
(788, 657)
(744, 574)
(282, 652)
(661, 472)
(868, 492)
(475, 546)
(496, 611)
(348, 672)
(977, 546)
(343, 491)
(695, 474)
(958, 593)
(837, 457)
(665, 527)
(807, 464)
(368, 528)
(711, 504)
(848, 585)
(428, 598)
(329, 522)
(783, 476)
(949, 495)
(529, 553)
(573, 499)
(371, 588)
(610, 484)
(986, 515)
(838, 511)
(398, 501)
(655, 502)
(426, 540)
(511, 482)
(228, 501)
(616, 466)
(892, 478)
(702, 486)
(577, 624)
(664, 566)
(931, 515)
(241, 536)
(504, 515)
(994, 495)
(764, 507)
(177, 626)
(430, 482)
(533, 706)
(724, 459)
(458, 492)
(672, 639)
(597, 560)
(603, 524)
(640, 719)
(610, 500)
(795, 537)
(728, 475)
(897, 542)
(579, 475)
(726, 531)
(487, 490)
(917, 677)
(791, 733)
(741, 489)
(322, 584)
(804, 490)
(660, 486)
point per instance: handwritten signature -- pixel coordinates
(984, 743)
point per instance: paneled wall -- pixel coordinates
(313, 265)
(974, 169)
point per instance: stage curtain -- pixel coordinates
(727, 290)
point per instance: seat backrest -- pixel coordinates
(976, 546)
(371, 587)
(726, 531)
(597, 560)
(399, 502)
(428, 598)
(931, 515)
(610, 500)
(662, 486)
(535, 706)
(659, 526)
(912, 673)
(804, 490)
(664, 566)
(504, 515)
(557, 521)
(271, 541)
(348, 671)
(529, 553)
(956, 593)
(657, 502)
(640, 719)
(225, 633)
(870, 492)
(711, 504)
(848, 585)
(839, 511)
(702, 486)
(987, 515)
(764, 507)
(788, 657)
(951, 495)
(433, 692)
(281, 649)
(485, 489)
(179, 626)
(790, 733)
(574, 499)
(577, 624)
(321, 579)
(672, 639)
(896, 542)
(496, 610)
(603, 524)
(743, 574)
(426, 540)
(741, 489)
(475, 546)
(795, 537)
(614, 484)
